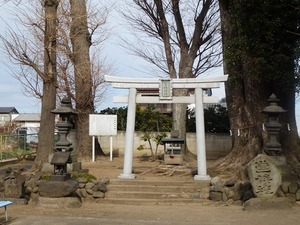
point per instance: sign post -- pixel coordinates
(102, 125)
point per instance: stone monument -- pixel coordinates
(264, 176)
(265, 179)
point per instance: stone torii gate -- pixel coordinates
(165, 87)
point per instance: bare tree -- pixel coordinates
(81, 42)
(28, 55)
(180, 38)
(46, 133)
(24, 49)
(96, 25)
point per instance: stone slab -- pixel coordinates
(16, 201)
(267, 203)
(64, 202)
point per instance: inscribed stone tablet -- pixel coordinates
(264, 176)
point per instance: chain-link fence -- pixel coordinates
(17, 145)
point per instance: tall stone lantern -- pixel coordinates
(62, 148)
(273, 147)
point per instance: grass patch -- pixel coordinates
(87, 176)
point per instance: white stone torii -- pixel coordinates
(191, 83)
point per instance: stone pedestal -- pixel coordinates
(75, 166)
(58, 203)
(63, 177)
(57, 189)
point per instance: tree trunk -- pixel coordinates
(179, 116)
(246, 97)
(47, 125)
(81, 42)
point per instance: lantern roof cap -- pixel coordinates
(273, 108)
(65, 107)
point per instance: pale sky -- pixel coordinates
(124, 65)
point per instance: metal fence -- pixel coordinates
(17, 145)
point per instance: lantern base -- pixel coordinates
(63, 177)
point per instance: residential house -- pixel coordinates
(7, 115)
(165, 108)
(28, 120)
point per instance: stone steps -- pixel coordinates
(150, 192)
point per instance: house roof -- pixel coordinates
(8, 110)
(28, 117)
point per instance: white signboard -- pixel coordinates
(100, 124)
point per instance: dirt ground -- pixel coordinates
(93, 213)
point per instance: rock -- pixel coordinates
(98, 194)
(47, 167)
(81, 185)
(293, 187)
(218, 186)
(291, 197)
(27, 176)
(55, 189)
(230, 183)
(229, 202)
(237, 203)
(280, 193)
(224, 197)
(90, 198)
(94, 181)
(102, 187)
(82, 180)
(105, 180)
(238, 193)
(264, 176)
(215, 196)
(31, 183)
(215, 180)
(285, 187)
(237, 186)
(267, 203)
(37, 176)
(298, 195)
(247, 195)
(229, 192)
(89, 185)
(28, 189)
(35, 189)
(237, 196)
(1, 186)
(27, 197)
(39, 182)
(14, 186)
(246, 186)
(83, 193)
(89, 191)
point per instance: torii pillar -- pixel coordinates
(192, 83)
(128, 154)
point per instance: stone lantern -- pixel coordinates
(62, 148)
(273, 147)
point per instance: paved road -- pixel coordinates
(158, 215)
(96, 221)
